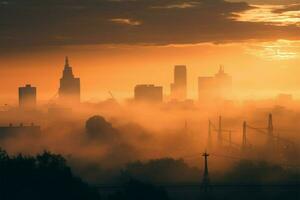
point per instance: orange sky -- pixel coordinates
(259, 70)
(257, 41)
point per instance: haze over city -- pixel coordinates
(149, 99)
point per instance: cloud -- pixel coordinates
(287, 8)
(52, 23)
(266, 2)
(126, 21)
(275, 51)
(277, 15)
(182, 5)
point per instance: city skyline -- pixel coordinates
(247, 82)
(69, 90)
(167, 93)
(150, 99)
(137, 48)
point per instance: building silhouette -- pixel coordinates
(179, 87)
(148, 93)
(216, 87)
(27, 97)
(11, 131)
(69, 90)
(223, 83)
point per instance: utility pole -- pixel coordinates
(270, 125)
(277, 144)
(220, 131)
(185, 127)
(270, 132)
(244, 142)
(230, 141)
(111, 95)
(205, 181)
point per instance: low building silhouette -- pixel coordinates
(11, 130)
(148, 93)
(27, 97)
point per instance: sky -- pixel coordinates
(116, 44)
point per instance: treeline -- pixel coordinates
(47, 176)
(44, 176)
(245, 180)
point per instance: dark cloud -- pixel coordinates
(36, 23)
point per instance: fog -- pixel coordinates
(100, 139)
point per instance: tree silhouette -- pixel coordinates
(45, 176)
(137, 190)
(98, 128)
(165, 170)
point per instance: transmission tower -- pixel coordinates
(230, 139)
(209, 137)
(270, 132)
(220, 131)
(244, 142)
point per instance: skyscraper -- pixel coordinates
(148, 93)
(69, 90)
(223, 83)
(27, 97)
(179, 87)
(216, 87)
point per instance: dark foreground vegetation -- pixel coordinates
(247, 180)
(137, 190)
(47, 176)
(44, 176)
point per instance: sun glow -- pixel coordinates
(270, 14)
(278, 50)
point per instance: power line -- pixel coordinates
(198, 185)
(198, 155)
(226, 156)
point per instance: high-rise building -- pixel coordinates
(27, 97)
(223, 83)
(148, 93)
(215, 87)
(179, 87)
(69, 90)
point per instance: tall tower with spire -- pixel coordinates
(69, 90)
